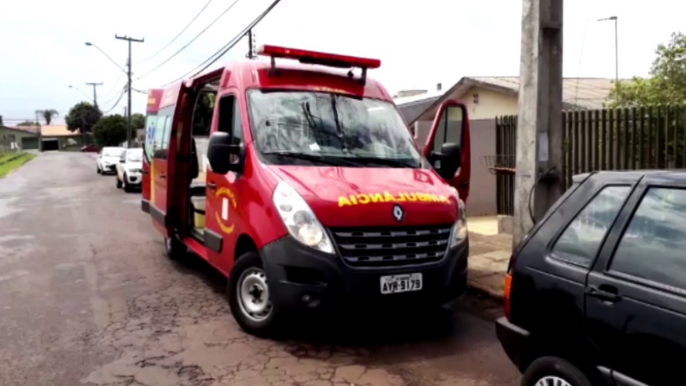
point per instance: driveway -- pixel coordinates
(88, 297)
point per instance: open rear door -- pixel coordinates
(154, 99)
(161, 171)
(451, 125)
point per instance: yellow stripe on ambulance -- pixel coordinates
(374, 198)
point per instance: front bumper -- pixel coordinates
(134, 179)
(301, 277)
(109, 168)
(512, 338)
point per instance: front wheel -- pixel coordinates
(249, 296)
(127, 187)
(554, 371)
(98, 170)
(118, 182)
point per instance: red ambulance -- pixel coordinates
(302, 184)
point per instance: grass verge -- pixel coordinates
(7, 167)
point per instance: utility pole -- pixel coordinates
(251, 46)
(539, 126)
(95, 95)
(128, 110)
(614, 18)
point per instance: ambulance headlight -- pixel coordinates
(299, 219)
(459, 232)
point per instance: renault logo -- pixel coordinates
(398, 213)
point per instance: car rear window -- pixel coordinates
(580, 241)
(654, 244)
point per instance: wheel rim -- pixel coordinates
(253, 295)
(552, 381)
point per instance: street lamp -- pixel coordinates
(89, 44)
(614, 18)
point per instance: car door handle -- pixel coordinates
(604, 293)
(145, 172)
(463, 184)
(163, 176)
(212, 185)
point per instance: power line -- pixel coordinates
(115, 87)
(121, 94)
(217, 55)
(179, 34)
(192, 40)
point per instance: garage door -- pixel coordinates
(29, 143)
(50, 144)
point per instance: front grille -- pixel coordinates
(391, 246)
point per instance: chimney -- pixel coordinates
(439, 87)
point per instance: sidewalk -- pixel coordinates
(488, 257)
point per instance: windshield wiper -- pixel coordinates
(383, 161)
(313, 157)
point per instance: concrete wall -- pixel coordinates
(482, 192)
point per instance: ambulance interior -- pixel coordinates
(201, 125)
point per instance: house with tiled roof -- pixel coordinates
(17, 138)
(487, 98)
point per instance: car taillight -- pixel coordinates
(506, 292)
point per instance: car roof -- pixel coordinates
(675, 175)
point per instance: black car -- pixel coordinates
(596, 293)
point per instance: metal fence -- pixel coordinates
(646, 137)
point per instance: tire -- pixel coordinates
(248, 269)
(127, 188)
(552, 368)
(118, 182)
(174, 249)
(98, 170)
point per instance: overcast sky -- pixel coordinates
(420, 43)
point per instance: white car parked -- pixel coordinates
(107, 159)
(130, 169)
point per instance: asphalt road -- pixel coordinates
(88, 297)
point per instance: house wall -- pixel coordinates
(12, 139)
(482, 194)
(487, 104)
(482, 185)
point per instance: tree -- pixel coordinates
(138, 121)
(27, 123)
(110, 130)
(1, 123)
(83, 116)
(48, 114)
(666, 83)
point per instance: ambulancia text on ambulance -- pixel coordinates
(303, 185)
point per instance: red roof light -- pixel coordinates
(322, 58)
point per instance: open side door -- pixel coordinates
(448, 146)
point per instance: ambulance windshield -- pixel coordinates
(303, 127)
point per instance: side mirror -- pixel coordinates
(448, 160)
(121, 161)
(223, 155)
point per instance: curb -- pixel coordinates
(493, 295)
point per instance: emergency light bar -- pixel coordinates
(321, 58)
